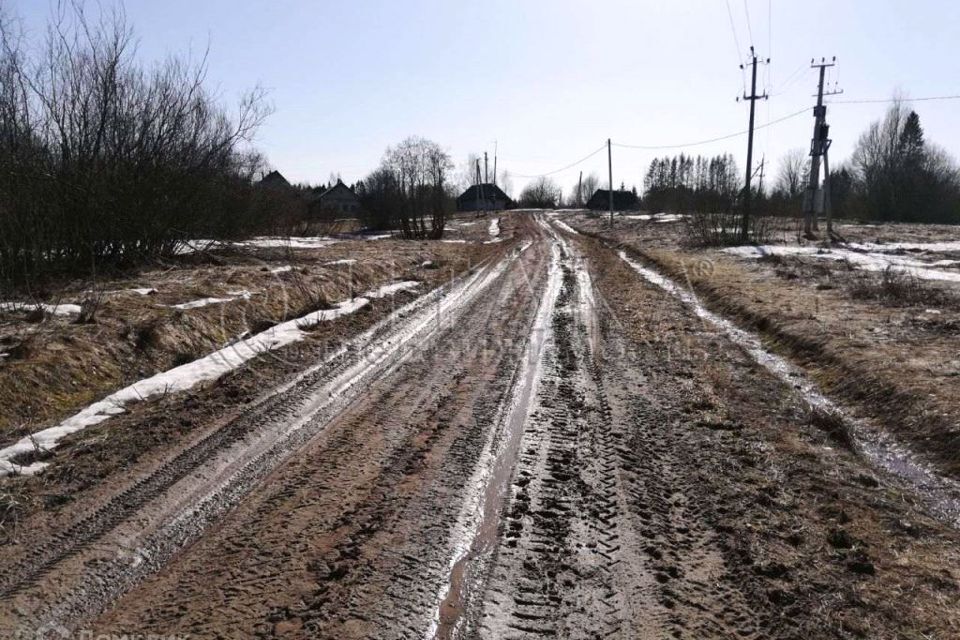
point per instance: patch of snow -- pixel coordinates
(281, 242)
(378, 236)
(563, 225)
(935, 311)
(935, 247)
(426, 263)
(391, 289)
(284, 269)
(493, 241)
(203, 302)
(52, 309)
(454, 241)
(205, 369)
(494, 228)
(656, 217)
(864, 261)
(346, 261)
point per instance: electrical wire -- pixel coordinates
(717, 139)
(746, 10)
(569, 166)
(884, 100)
(736, 43)
(791, 79)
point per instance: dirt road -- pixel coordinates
(549, 447)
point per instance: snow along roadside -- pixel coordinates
(205, 369)
(941, 494)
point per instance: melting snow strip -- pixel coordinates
(184, 377)
(494, 229)
(934, 247)
(203, 302)
(864, 261)
(52, 309)
(942, 494)
(563, 225)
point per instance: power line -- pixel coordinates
(569, 166)
(701, 142)
(736, 43)
(746, 10)
(883, 100)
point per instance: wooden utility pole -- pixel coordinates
(610, 170)
(479, 187)
(486, 178)
(753, 97)
(580, 191)
(814, 197)
(494, 162)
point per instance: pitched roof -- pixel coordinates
(274, 179)
(621, 199)
(489, 190)
(339, 186)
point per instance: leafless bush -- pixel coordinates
(723, 228)
(90, 305)
(899, 288)
(409, 190)
(106, 162)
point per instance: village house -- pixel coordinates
(275, 180)
(484, 197)
(340, 199)
(622, 200)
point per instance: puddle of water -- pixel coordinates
(941, 495)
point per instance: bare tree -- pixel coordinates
(505, 182)
(103, 161)
(589, 186)
(411, 188)
(541, 193)
(467, 174)
(791, 176)
(902, 177)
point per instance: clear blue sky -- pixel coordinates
(550, 80)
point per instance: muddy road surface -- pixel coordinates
(549, 447)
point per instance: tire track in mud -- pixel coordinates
(357, 528)
(601, 536)
(257, 428)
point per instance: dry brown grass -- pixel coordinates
(897, 288)
(56, 366)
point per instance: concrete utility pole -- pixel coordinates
(610, 170)
(580, 191)
(753, 97)
(763, 162)
(486, 178)
(814, 197)
(494, 162)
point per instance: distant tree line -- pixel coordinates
(104, 162)
(691, 183)
(894, 175)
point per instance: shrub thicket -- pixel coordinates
(104, 161)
